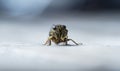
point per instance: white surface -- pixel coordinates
(21, 46)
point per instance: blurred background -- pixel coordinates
(36, 8)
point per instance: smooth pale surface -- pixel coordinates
(21, 45)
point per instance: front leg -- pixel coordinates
(66, 43)
(72, 41)
(48, 42)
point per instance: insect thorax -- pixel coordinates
(59, 33)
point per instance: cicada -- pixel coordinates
(59, 34)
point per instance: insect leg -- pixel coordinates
(73, 41)
(48, 42)
(66, 43)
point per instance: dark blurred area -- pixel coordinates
(33, 8)
(88, 5)
(98, 5)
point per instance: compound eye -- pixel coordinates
(54, 27)
(64, 26)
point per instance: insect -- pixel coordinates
(58, 34)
